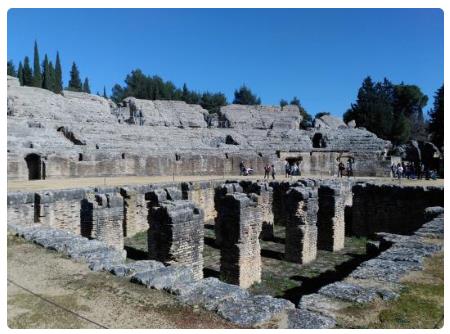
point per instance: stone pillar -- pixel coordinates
(102, 219)
(176, 234)
(331, 218)
(202, 195)
(301, 229)
(135, 212)
(279, 201)
(239, 218)
(265, 203)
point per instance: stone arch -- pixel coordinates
(318, 141)
(34, 165)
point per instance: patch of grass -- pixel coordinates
(420, 305)
(137, 241)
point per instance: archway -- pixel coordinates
(34, 165)
(318, 141)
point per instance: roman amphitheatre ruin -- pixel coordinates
(148, 193)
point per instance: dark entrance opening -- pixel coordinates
(34, 165)
(318, 141)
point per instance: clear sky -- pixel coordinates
(319, 55)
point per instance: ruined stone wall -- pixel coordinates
(176, 234)
(21, 208)
(135, 211)
(102, 218)
(202, 195)
(391, 208)
(301, 229)
(239, 219)
(59, 209)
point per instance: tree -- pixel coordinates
(20, 73)
(245, 96)
(436, 127)
(283, 103)
(27, 73)
(75, 81)
(213, 102)
(322, 113)
(46, 80)
(306, 117)
(86, 88)
(104, 92)
(401, 129)
(11, 69)
(52, 77)
(58, 86)
(37, 75)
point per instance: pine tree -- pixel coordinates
(86, 87)
(58, 85)
(436, 127)
(11, 69)
(46, 81)
(283, 103)
(75, 81)
(104, 93)
(37, 76)
(27, 72)
(52, 79)
(245, 96)
(20, 73)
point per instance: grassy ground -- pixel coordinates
(47, 290)
(421, 304)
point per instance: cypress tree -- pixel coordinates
(27, 73)
(58, 85)
(37, 76)
(86, 87)
(52, 82)
(46, 74)
(75, 81)
(436, 126)
(104, 92)
(20, 73)
(11, 69)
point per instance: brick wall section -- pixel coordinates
(176, 234)
(301, 229)
(391, 208)
(59, 209)
(135, 211)
(331, 217)
(102, 218)
(202, 195)
(279, 202)
(21, 208)
(239, 218)
(265, 203)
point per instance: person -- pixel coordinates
(399, 171)
(242, 168)
(298, 168)
(267, 171)
(393, 171)
(294, 169)
(341, 168)
(287, 169)
(273, 171)
(349, 167)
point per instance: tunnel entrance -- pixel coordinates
(34, 165)
(318, 141)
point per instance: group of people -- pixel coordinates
(292, 169)
(244, 170)
(348, 168)
(412, 171)
(269, 170)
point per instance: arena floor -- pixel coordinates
(130, 180)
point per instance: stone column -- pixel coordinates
(135, 212)
(102, 219)
(301, 229)
(176, 234)
(202, 195)
(239, 218)
(331, 218)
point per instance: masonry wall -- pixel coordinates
(202, 195)
(21, 208)
(391, 208)
(135, 212)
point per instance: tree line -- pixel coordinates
(46, 75)
(392, 111)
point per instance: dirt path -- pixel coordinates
(130, 180)
(47, 290)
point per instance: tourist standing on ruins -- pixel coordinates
(242, 168)
(349, 167)
(341, 169)
(273, 171)
(267, 171)
(287, 169)
(399, 171)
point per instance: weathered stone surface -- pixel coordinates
(254, 311)
(304, 319)
(328, 121)
(136, 267)
(210, 293)
(354, 293)
(167, 278)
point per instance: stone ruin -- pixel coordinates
(81, 135)
(90, 225)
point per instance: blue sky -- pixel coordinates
(319, 55)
